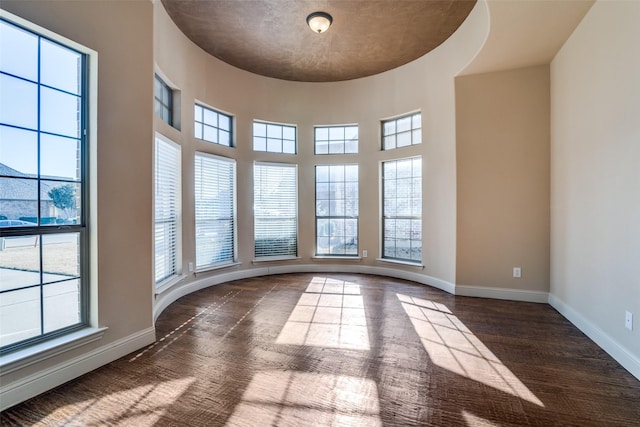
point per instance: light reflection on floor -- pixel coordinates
(330, 314)
(140, 406)
(452, 346)
(277, 398)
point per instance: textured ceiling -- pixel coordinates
(271, 37)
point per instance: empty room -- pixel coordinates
(319, 212)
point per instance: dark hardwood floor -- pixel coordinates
(348, 350)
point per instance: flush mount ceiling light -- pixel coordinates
(319, 22)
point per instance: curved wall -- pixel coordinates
(426, 84)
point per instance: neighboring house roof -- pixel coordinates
(14, 188)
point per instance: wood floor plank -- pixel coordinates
(348, 350)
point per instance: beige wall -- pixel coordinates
(426, 85)
(503, 178)
(595, 175)
(121, 33)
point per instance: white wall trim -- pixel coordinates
(502, 293)
(164, 300)
(46, 379)
(623, 356)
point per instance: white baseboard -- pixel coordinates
(628, 360)
(502, 293)
(46, 379)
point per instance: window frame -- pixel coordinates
(281, 256)
(234, 214)
(202, 123)
(282, 140)
(412, 131)
(329, 140)
(175, 269)
(86, 179)
(165, 105)
(330, 217)
(384, 217)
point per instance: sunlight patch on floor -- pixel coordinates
(140, 406)
(452, 346)
(276, 398)
(330, 313)
(475, 421)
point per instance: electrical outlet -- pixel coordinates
(517, 272)
(628, 320)
(190, 267)
(364, 253)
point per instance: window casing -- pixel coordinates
(163, 101)
(337, 210)
(336, 139)
(213, 126)
(402, 131)
(215, 211)
(274, 138)
(167, 203)
(275, 204)
(44, 186)
(402, 209)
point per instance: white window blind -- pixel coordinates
(167, 208)
(215, 189)
(402, 209)
(275, 206)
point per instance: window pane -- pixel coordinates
(336, 209)
(166, 209)
(224, 122)
(61, 305)
(341, 139)
(280, 138)
(19, 262)
(60, 67)
(275, 210)
(60, 203)
(59, 113)
(59, 157)
(19, 315)
(402, 209)
(19, 200)
(198, 113)
(60, 257)
(18, 52)
(18, 152)
(18, 103)
(215, 181)
(402, 132)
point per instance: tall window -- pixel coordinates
(274, 138)
(43, 186)
(275, 204)
(167, 202)
(215, 189)
(336, 139)
(402, 131)
(212, 126)
(402, 209)
(163, 100)
(337, 210)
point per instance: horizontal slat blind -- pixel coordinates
(275, 205)
(215, 188)
(167, 208)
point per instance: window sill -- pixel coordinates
(397, 261)
(275, 258)
(218, 267)
(36, 353)
(337, 257)
(168, 283)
